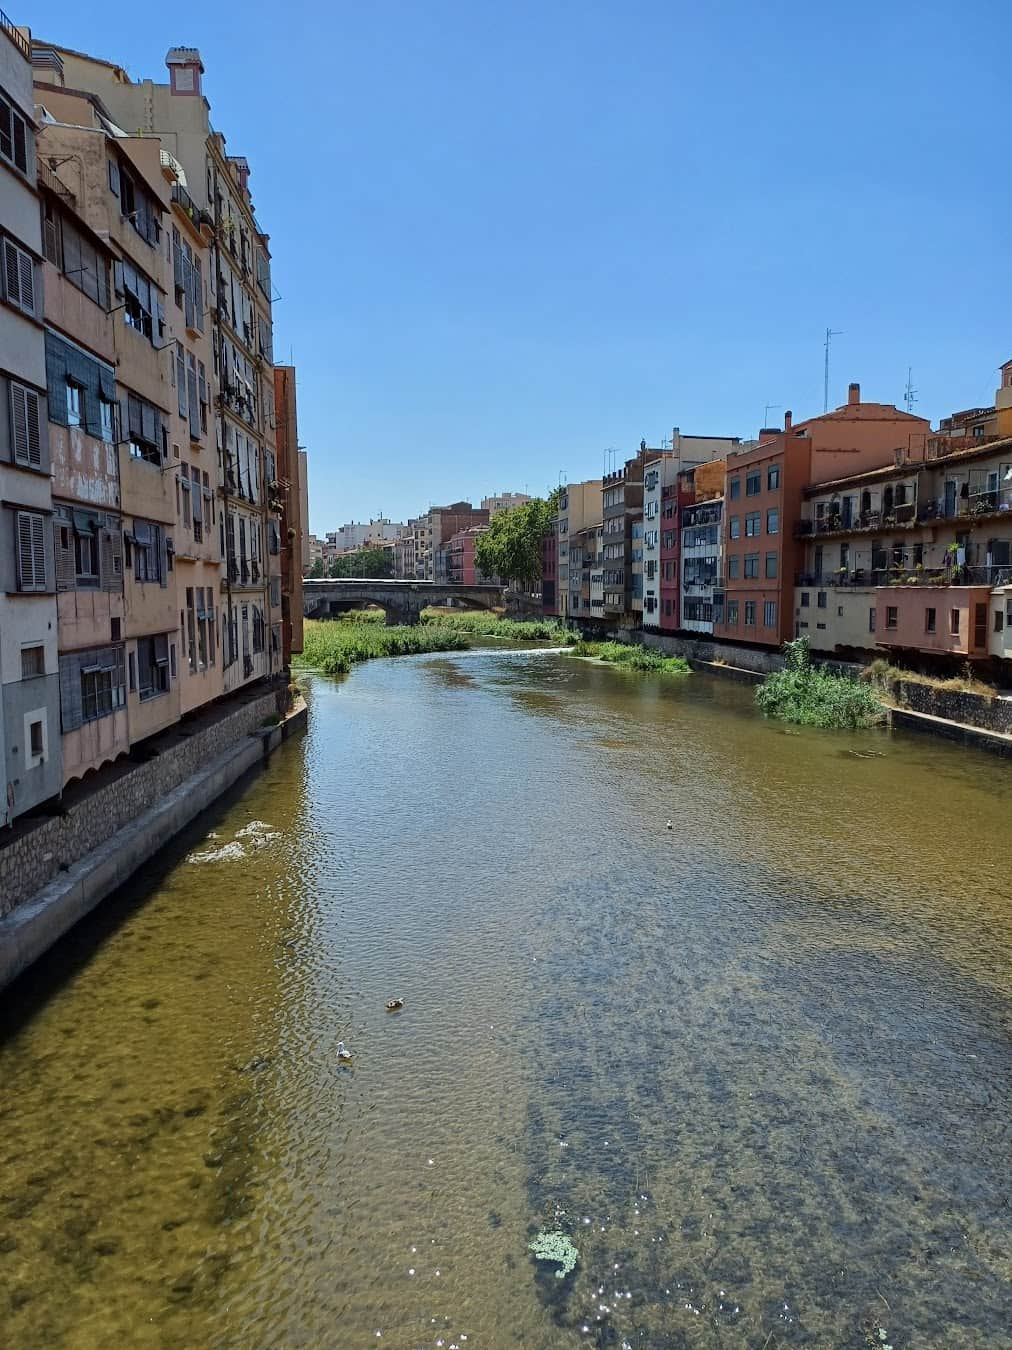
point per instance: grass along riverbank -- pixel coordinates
(631, 657)
(478, 623)
(814, 698)
(334, 647)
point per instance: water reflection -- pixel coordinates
(757, 1067)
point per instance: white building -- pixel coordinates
(504, 501)
(30, 747)
(701, 564)
(360, 534)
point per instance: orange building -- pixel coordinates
(763, 505)
(290, 494)
(762, 502)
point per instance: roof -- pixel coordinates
(863, 412)
(954, 458)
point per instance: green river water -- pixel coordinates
(757, 1066)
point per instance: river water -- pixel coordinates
(756, 1066)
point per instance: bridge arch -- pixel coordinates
(401, 601)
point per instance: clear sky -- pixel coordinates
(508, 235)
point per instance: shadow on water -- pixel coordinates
(24, 999)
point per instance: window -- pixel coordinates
(144, 430)
(773, 478)
(733, 567)
(74, 392)
(820, 599)
(872, 616)
(14, 138)
(735, 486)
(147, 551)
(86, 559)
(770, 614)
(33, 662)
(142, 308)
(26, 439)
(751, 564)
(999, 621)
(805, 599)
(107, 420)
(752, 523)
(771, 565)
(839, 611)
(36, 739)
(31, 546)
(76, 257)
(749, 613)
(732, 613)
(152, 666)
(734, 527)
(953, 622)
(753, 484)
(19, 277)
(773, 521)
(891, 618)
(929, 619)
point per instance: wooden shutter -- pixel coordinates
(31, 552)
(181, 379)
(26, 268)
(12, 283)
(63, 542)
(111, 559)
(26, 439)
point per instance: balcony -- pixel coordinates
(19, 39)
(974, 506)
(902, 516)
(199, 218)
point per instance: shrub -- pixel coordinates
(633, 657)
(809, 697)
(491, 625)
(334, 648)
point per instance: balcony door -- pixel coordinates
(951, 489)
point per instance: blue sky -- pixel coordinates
(509, 235)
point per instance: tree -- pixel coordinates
(369, 561)
(317, 572)
(511, 546)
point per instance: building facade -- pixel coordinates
(30, 747)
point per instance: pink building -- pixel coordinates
(461, 569)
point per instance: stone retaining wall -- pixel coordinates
(34, 858)
(975, 710)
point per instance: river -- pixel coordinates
(757, 1065)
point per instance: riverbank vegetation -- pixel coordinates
(886, 677)
(334, 648)
(806, 696)
(633, 657)
(486, 624)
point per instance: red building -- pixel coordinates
(674, 497)
(460, 565)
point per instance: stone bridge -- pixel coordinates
(403, 601)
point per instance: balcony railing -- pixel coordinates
(49, 179)
(985, 502)
(904, 514)
(19, 39)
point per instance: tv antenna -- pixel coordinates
(766, 412)
(910, 393)
(830, 334)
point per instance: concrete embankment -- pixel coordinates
(965, 716)
(55, 871)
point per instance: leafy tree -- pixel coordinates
(317, 571)
(511, 546)
(368, 561)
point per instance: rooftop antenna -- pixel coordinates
(830, 334)
(910, 394)
(766, 412)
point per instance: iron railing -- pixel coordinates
(18, 38)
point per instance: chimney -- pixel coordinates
(185, 70)
(853, 393)
(240, 165)
(788, 419)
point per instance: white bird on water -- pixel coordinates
(343, 1053)
(670, 825)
